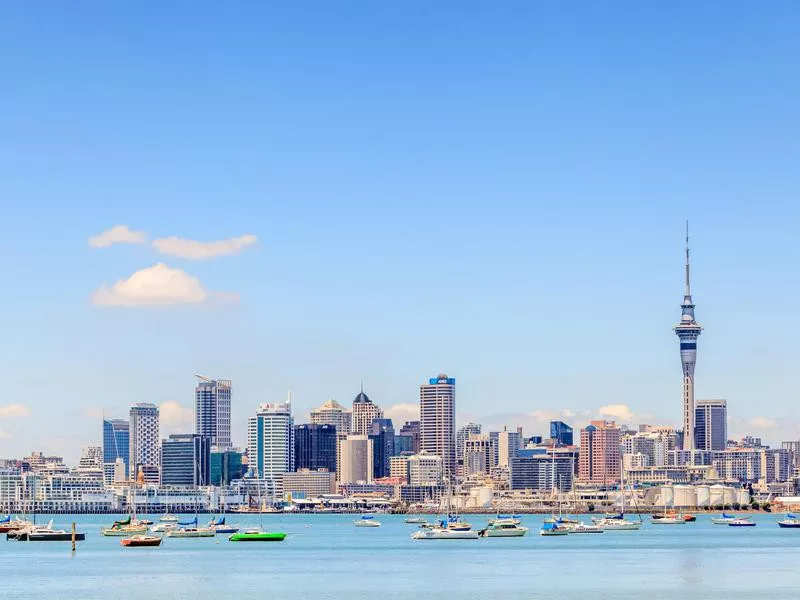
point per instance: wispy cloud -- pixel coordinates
(14, 411)
(400, 413)
(175, 417)
(763, 423)
(621, 412)
(158, 285)
(119, 234)
(195, 250)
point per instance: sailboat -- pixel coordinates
(219, 524)
(790, 522)
(257, 535)
(618, 522)
(724, 519)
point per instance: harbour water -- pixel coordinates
(325, 556)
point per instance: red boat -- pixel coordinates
(141, 540)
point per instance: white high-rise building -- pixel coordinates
(437, 414)
(212, 402)
(424, 469)
(462, 435)
(145, 456)
(364, 413)
(356, 459)
(509, 444)
(333, 413)
(270, 440)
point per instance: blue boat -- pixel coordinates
(790, 522)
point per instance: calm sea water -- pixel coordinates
(325, 556)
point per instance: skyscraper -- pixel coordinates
(143, 452)
(711, 425)
(270, 440)
(561, 433)
(462, 435)
(479, 453)
(688, 330)
(437, 411)
(212, 402)
(600, 459)
(185, 460)
(315, 447)
(411, 429)
(356, 457)
(508, 444)
(333, 413)
(382, 436)
(116, 444)
(364, 413)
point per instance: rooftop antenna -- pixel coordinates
(688, 288)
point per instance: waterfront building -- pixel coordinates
(419, 494)
(270, 440)
(508, 444)
(711, 425)
(538, 469)
(213, 411)
(309, 483)
(144, 455)
(437, 408)
(315, 447)
(461, 437)
(185, 460)
(425, 469)
(411, 428)
(364, 413)
(333, 413)
(91, 459)
(116, 444)
(688, 330)
(600, 460)
(561, 433)
(382, 436)
(398, 467)
(356, 459)
(225, 466)
(751, 465)
(479, 453)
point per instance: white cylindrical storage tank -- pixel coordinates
(666, 496)
(685, 496)
(482, 496)
(730, 496)
(703, 496)
(742, 496)
(717, 495)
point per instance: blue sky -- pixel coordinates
(497, 192)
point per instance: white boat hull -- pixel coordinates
(366, 524)
(516, 532)
(444, 534)
(191, 533)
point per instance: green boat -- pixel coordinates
(257, 536)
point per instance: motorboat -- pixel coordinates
(790, 522)
(615, 524)
(584, 528)
(256, 535)
(139, 541)
(444, 533)
(504, 529)
(168, 518)
(513, 519)
(45, 533)
(665, 520)
(366, 521)
(741, 522)
(550, 528)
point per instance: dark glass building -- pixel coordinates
(315, 447)
(185, 460)
(411, 428)
(225, 466)
(403, 444)
(561, 433)
(711, 425)
(116, 442)
(382, 436)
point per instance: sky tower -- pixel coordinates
(687, 331)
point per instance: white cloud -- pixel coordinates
(93, 413)
(175, 418)
(119, 234)
(194, 250)
(158, 285)
(763, 423)
(400, 413)
(14, 411)
(616, 411)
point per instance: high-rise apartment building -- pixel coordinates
(600, 460)
(688, 330)
(537, 469)
(479, 454)
(382, 436)
(561, 433)
(315, 447)
(425, 469)
(411, 429)
(144, 448)
(356, 459)
(508, 444)
(364, 413)
(333, 413)
(270, 440)
(794, 452)
(462, 435)
(185, 460)
(212, 403)
(437, 411)
(116, 444)
(711, 425)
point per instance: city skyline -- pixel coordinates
(489, 198)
